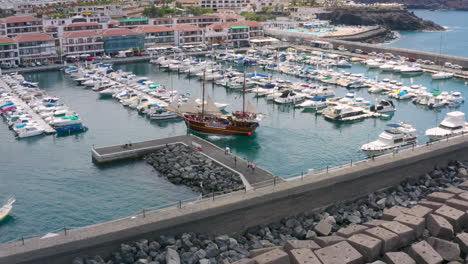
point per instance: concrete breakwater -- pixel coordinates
(238, 211)
(314, 231)
(181, 164)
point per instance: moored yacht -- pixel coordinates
(395, 137)
(453, 125)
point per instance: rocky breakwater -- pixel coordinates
(425, 4)
(181, 164)
(419, 221)
(391, 19)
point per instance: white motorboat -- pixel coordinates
(384, 106)
(7, 207)
(442, 75)
(411, 70)
(64, 121)
(344, 112)
(29, 131)
(288, 97)
(161, 113)
(395, 137)
(453, 124)
(317, 102)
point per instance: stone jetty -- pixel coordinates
(181, 164)
(422, 220)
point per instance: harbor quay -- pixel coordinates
(237, 211)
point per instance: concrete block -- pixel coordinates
(416, 223)
(405, 233)
(398, 258)
(378, 262)
(419, 211)
(390, 213)
(245, 261)
(447, 250)
(375, 222)
(256, 252)
(351, 230)
(454, 216)
(439, 226)
(430, 204)
(423, 253)
(440, 197)
(324, 227)
(369, 247)
(303, 256)
(453, 190)
(328, 241)
(275, 256)
(295, 244)
(339, 253)
(462, 241)
(463, 196)
(390, 240)
(463, 185)
(458, 204)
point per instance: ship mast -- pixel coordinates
(243, 96)
(203, 95)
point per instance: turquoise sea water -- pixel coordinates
(454, 41)
(57, 185)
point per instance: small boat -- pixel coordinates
(317, 102)
(383, 107)
(395, 137)
(7, 207)
(344, 112)
(29, 131)
(63, 130)
(343, 64)
(442, 75)
(453, 125)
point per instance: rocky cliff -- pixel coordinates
(426, 4)
(391, 19)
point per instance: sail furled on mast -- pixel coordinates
(211, 108)
(251, 108)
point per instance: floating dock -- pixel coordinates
(48, 129)
(252, 178)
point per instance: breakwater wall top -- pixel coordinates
(437, 58)
(237, 211)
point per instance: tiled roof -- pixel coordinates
(226, 15)
(81, 25)
(20, 19)
(118, 32)
(153, 29)
(5, 40)
(81, 34)
(248, 23)
(185, 28)
(114, 22)
(33, 37)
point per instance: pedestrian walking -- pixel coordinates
(248, 164)
(227, 151)
(235, 160)
(253, 166)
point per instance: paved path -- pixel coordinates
(255, 178)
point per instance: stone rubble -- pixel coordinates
(415, 231)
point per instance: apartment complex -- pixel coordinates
(17, 25)
(8, 52)
(157, 35)
(37, 47)
(224, 4)
(237, 33)
(82, 42)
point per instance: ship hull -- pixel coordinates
(219, 130)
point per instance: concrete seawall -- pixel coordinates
(238, 211)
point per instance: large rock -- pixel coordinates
(369, 247)
(398, 258)
(275, 256)
(419, 211)
(458, 204)
(448, 250)
(257, 252)
(430, 204)
(375, 222)
(303, 256)
(439, 226)
(390, 213)
(324, 227)
(172, 257)
(423, 253)
(390, 240)
(340, 253)
(440, 197)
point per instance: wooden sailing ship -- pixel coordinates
(211, 121)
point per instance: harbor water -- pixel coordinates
(57, 185)
(453, 41)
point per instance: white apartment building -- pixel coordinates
(36, 47)
(82, 42)
(157, 35)
(8, 52)
(225, 4)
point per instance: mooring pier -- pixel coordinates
(251, 178)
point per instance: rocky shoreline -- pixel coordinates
(337, 225)
(181, 164)
(425, 4)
